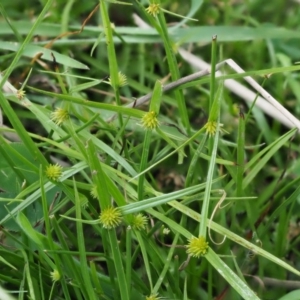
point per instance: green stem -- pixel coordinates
(213, 70)
(240, 156)
(144, 162)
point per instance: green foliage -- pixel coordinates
(116, 183)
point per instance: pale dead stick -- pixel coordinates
(173, 85)
(266, 103)
(168, 87)
(268, 281)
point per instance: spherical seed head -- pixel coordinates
(149, 120)
(153, 9)
(197, 246)
(21, 94)
(94, 192)
(53, 172)
(153, 297)
(59, 116)
(110, 217)
(55, 276)
(138, 222)
(211, 127)
(122, 80)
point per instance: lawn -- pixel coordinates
(149, 149)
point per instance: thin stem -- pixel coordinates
(213, 70)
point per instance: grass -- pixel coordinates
(158, 184)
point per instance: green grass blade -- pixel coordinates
(154, 108)
(88, 289)
(214, 117)
(234, 281)
(240, 156)
(172, 63)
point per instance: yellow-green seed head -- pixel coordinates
(110, 217)
(59, 116)
(53, 172)
(197, 246)
(150, 121)
(153, 9)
